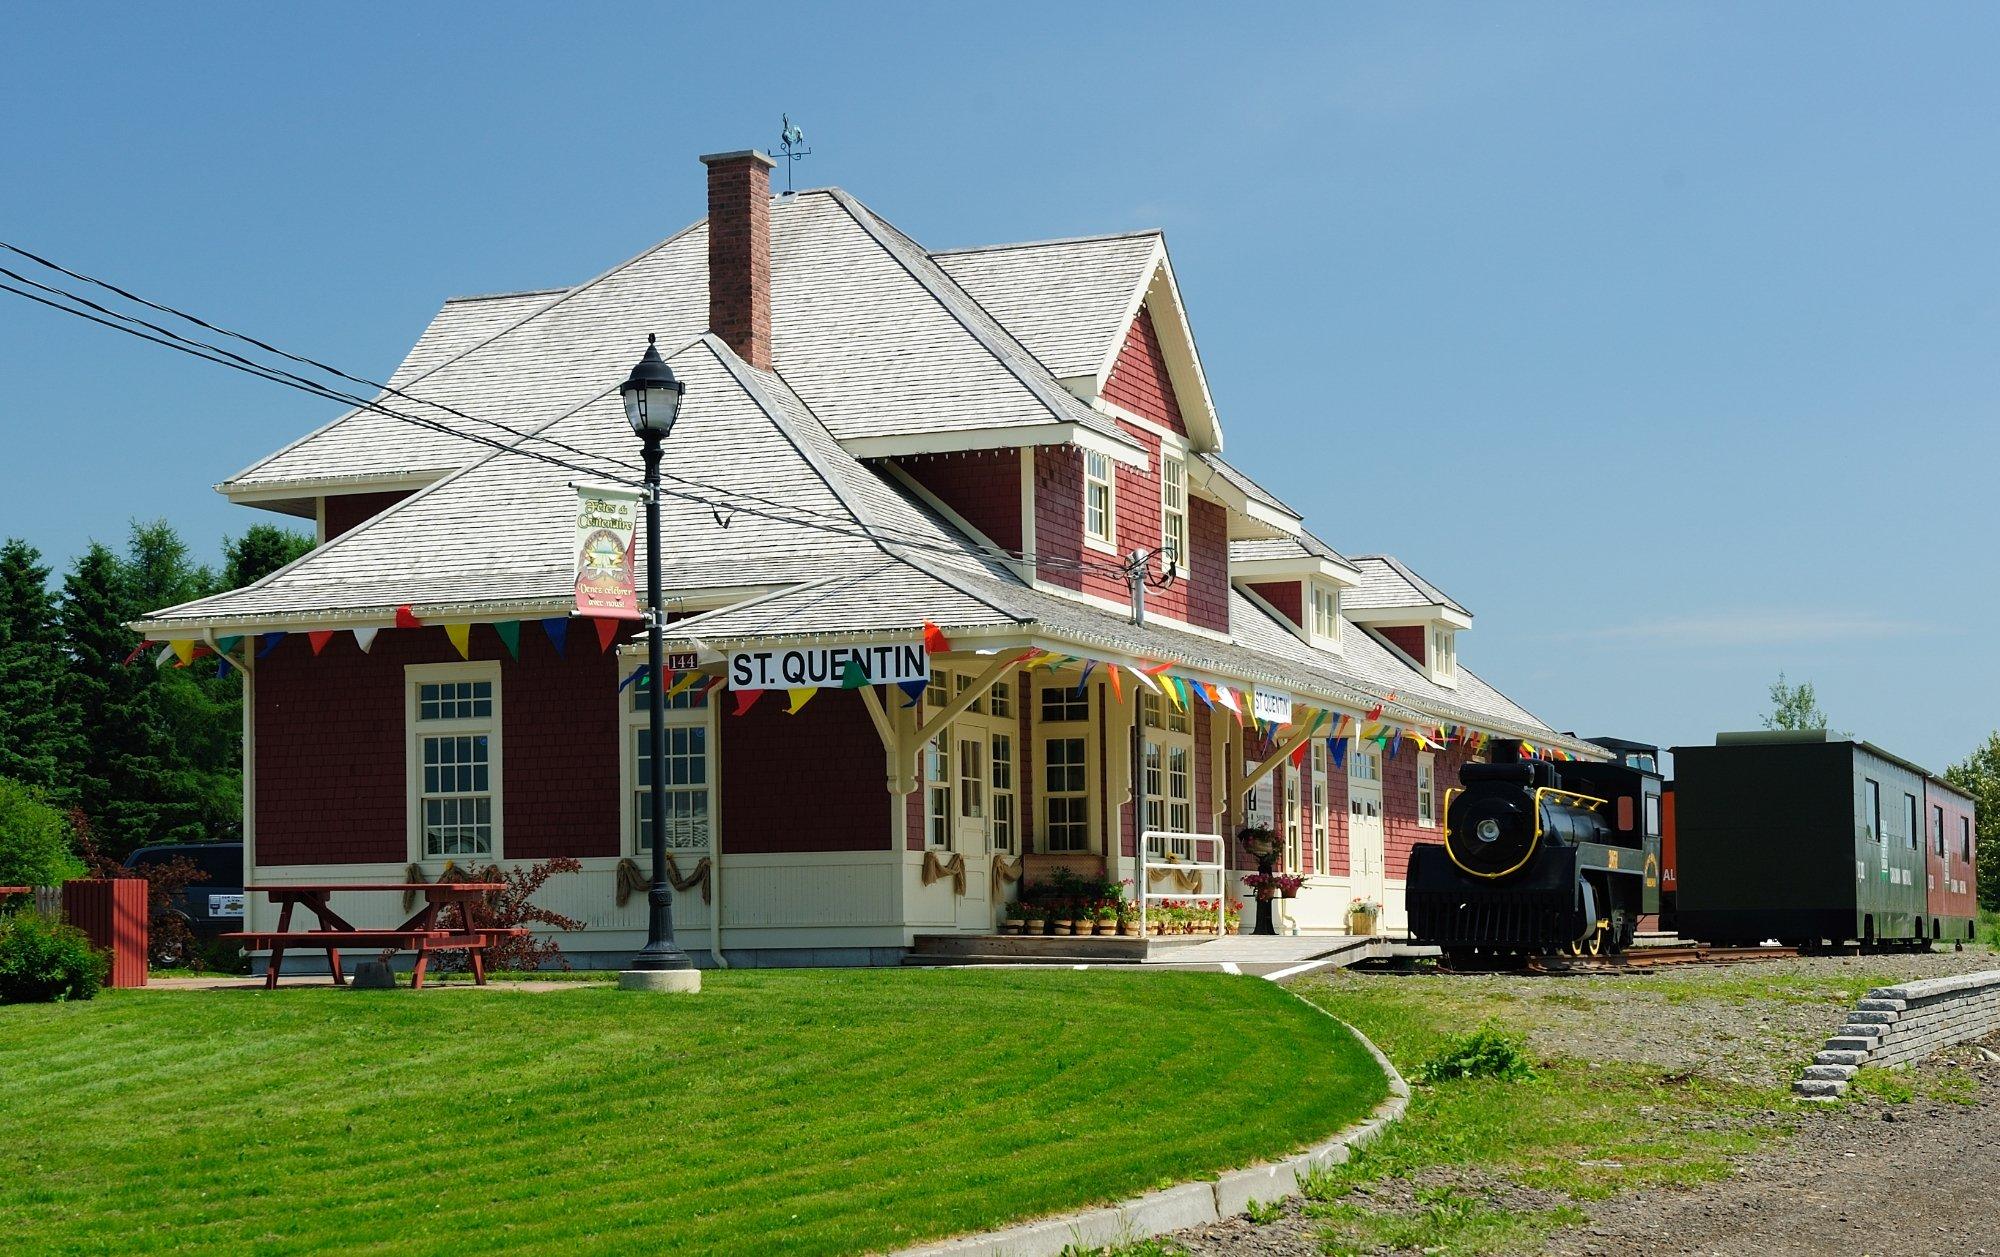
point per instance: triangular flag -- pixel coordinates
(853, 676)
(461, 637)
(934, 639)
(166, 653)
(136, 652)
(914, 690)
(684, 682)
(320, 637)
(510, 635)
(406, 618)
(1201, 692)
(1375, 712)
(800, 697)
(271, 641)
(1396, 744)
(1337, 749)
(636, 674)
(183, 651)
(221, 666)
(1139, 675)
(1299, 752)
(1117, 686)
(1173, 688)
(557, 627)
(607, 628)
(745, 700)
(365, 638)
(1155, 669)
(223, 645)
(1228, 699)
(1085, 678)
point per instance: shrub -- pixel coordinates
(34, 839)
(510, 907)
(170, 944)
(42, 960)
(1484, 1053)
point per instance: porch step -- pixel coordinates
(1014, 949)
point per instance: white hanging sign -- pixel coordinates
(1272, 705)
(895, 663)
(606, 520)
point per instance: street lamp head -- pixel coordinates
(652, 395)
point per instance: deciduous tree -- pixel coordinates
(1978, 774)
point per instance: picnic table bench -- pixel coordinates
(423, 933)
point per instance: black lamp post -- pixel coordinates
(652, 402)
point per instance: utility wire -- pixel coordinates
(795, 515)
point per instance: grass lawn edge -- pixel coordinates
(1196, 1202)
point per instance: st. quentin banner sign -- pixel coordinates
(827, 666)
(606, 518)
(1272, 705)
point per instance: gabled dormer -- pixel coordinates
(1301, 578)
(1414, 617)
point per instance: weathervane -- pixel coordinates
(790, 141)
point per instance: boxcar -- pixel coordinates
(1948, 843)
(1791, 836)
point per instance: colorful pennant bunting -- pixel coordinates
(913, 691)
(461, 638)
(800, 697)
(320, 637)
(223, 645)
(1336, 749)
(607, 629)
(365, 638)
(1117, 684)
(853, 676)
(934, 639)
(136, 652)
(637, 673)
(271, 641)
(510, 635)
(1085, 678)
(183, 650)
(557, 629)
(746, 699)
(406, 618)
(686, 680)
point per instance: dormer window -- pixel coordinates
(1324, 621)
(1097, 499)
(1444, 653)
(1173, 514)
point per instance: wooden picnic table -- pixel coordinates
(424, 932)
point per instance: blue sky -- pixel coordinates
(1663, 337)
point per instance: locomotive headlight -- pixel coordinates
(1488, 830)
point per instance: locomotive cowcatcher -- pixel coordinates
(1540, 857)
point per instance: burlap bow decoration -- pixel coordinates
(954, 868)
(633, 882)
(1187, 880)
(1003, 874)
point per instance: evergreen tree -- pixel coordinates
(129, 776)
(34, 735)
(260, 551)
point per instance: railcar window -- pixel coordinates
(1911, 834)
(1873, 795)
(1965, 836)
(1937, 819)
(1652, 816)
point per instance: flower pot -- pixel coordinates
(1016, 925)
(1068, 927)
(1103, 927)
(1235, 927)
(1361, 923)
(1287, 894)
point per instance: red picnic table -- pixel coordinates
(423, 933)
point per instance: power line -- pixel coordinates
(796, 516)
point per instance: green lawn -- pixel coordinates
(795, 1112)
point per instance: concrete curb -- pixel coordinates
(1190, 1204)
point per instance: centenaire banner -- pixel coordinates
(828, 666)
(606, 518)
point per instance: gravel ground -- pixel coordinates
(1841, 1182)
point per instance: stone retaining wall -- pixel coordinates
(1899, 1024)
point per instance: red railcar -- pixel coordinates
(1953, 879)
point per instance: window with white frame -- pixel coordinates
(1427, 790)
(1168, 767)
(1065, 794)
(1364, 765)
(1292, 860)
(1444, 652)
(454, 756)
(939, 825)
(1173, 513)
(1097, 497)
(1325, 623)
(1001, 763)
(1320, 806)
(1000, 699)
(685, 791)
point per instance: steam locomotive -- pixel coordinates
(1788, 835)
(1540, 857)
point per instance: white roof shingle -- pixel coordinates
(1069, 301)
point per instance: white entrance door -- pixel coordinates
(1364, 822)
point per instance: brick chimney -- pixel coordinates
(739, 252)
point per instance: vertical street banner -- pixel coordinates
(606, 521)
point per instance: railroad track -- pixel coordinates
(1658, 958)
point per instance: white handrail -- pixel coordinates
(1171, 842)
